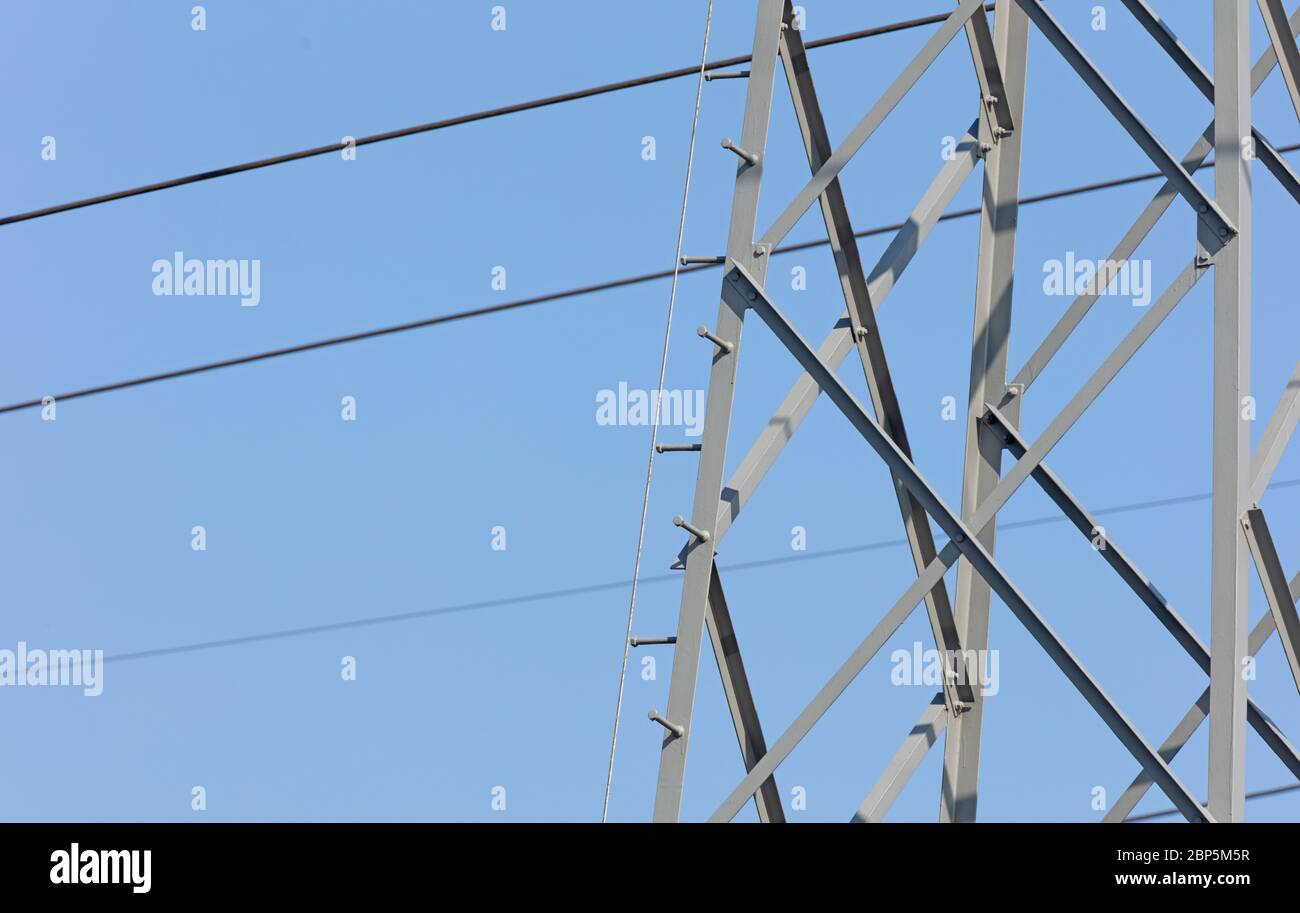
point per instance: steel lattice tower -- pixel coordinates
(959, 622)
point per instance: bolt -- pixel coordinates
(701, 534)
(749, 157)
(675, 728)
(717, 340)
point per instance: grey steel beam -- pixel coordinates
(1141, 585)
(991, 335)
(740, 288)
(993, 93)
(1078, 309)
(1078, 404)
(839, 681)
(717, 422)
(866, 331)
(1087, 394)
(1194, 717)
(1109, 368)
(1230, 432)
(1206, 209)
(1276, 436)
(873, 119)
(1108, 550)
(1271, 576)
(1159, 204)
(907, 241)
(1284, 46)
(740, 699)
(1204, 83)
(1192, 720)
(901, 767)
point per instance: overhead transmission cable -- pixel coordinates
(549, 297)
(569, 593)
(451, 122)
(1259, 794)
(658, 398)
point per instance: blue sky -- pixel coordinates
(312, 521)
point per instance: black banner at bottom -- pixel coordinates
(335, 861)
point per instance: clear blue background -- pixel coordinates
(507, 675)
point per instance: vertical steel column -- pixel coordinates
(1231, 460)
(988, 383)
(717, 417)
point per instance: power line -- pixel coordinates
(549, 297)
(588, 589)
(1261, 794)
(454, 122)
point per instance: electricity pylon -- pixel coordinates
(960, 623)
